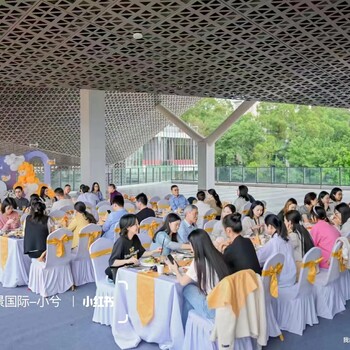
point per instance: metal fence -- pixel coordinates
(272, 175)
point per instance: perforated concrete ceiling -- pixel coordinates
(283, 51)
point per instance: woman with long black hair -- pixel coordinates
(298, 235)
(166, 236)
(81, 219)
(214, 201)
(279, 243)
(37, 227)
(204, 273)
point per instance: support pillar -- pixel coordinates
(206, 166)
(92, 138)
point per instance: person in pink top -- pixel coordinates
(9, 219)
(323, 234)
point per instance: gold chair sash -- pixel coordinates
(59, 243)
(209, 229)
(146, 245)
(151, 228)
(209, 217)
(103, 213)
(154, 205)
(339, 256)
(91, 235)
(311, 265)
(164, 207)
(100, 253)
(4, 251)
(117, 230)
(272, 272)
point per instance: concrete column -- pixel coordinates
(92, 138)
(206, 166)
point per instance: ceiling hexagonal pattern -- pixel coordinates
(49, 119)
(294, 51)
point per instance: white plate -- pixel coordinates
(147, 264)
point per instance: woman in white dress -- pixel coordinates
(279, 243)
(243, 198)
(253, 224)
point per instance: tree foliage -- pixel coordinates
(278, 134)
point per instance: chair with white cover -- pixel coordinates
(81, 263)
(163, 205)
(57, 216)
(153, 202)
(91, 208)
(54, 275)
(100, 204)
(233, 328)
(345, 275)
(116, 231)
(209, 226)
(148, 227)
(100, 252)
(327, 289)
(271, 273)
(68, 209)
(23, 218)
(209, 216)
(295, 306)
(245, 209)
(130, 207)
(103, 210)
(168, 196)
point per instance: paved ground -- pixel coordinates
(274, 197)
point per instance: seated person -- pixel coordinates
(279, 243)
(81, 219)
(239, 252)
(218, 235)
(37, 227)
(9, 218)
(144, 211)
(22, 203)
(86, 196)
(128, 248)
(113, 217)
(166, 236)
(177, 200)
(61, 200)
(202, 208)
(188, 224)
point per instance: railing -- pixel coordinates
(272, 175)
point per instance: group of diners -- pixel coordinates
(229, 248)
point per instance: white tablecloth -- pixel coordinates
(16, 270)
(164, 329)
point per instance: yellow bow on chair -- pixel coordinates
(154, 205)
(151, 228)
(91, 235)
(209, 229)
(311, 265)
(273, 271)
(209, 217)
(339, 256)
(117, 230)
(100, 253)
(59, 243)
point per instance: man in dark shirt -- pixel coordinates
(239, 253)
(144, 211)
(20, 200)
(112, 190)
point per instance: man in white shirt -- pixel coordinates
(202, 208)
(61, 200)
(86, 196)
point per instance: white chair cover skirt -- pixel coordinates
(49, 281)
(16, 270)
(197, 335)
(103, 314)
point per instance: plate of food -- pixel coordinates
(150, 261)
